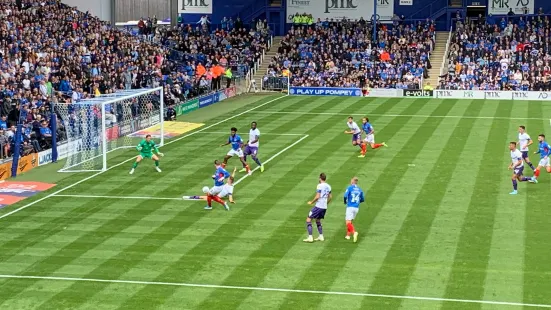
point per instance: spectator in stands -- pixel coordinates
(342, 54)
(514, 54)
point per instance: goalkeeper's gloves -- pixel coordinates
(161, 154)
(139, 148)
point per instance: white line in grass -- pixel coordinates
(273, 157)
(403, 115)
(118, 197)
(168, 198)
(263, 133)
(279, 290)
(133, 157)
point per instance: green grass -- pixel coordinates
(438, 221)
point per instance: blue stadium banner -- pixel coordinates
(325, 91)
(206, 101)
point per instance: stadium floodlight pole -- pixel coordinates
(289, 84)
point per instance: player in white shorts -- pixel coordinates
(524, 141)
(545, 151)
(236, 149)
(217, 192)
(369, 137)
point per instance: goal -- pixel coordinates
(91, 129)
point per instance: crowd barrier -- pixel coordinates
(420, 93)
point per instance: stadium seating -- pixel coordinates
(49, 51)
(322, 56)
(504, 54)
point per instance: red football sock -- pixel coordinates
(350, 227)
(364, 148)
(537, 173)
(248, 168)
(209, 200)
(218, 199)
(549, 169)
(377, 145)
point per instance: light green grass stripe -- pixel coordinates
(88, 260)
(286, 239)
(537, 261)
(294, 265)
(436, 259)
(109, 268)
(507, 246)
(473, 250)
(405, 207)
(186, 261)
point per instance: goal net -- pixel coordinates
(89, 130)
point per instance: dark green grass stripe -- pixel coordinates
(55, 225)
(400, 261)
(82, 245)
(285, 237)
(140, 250)
(330, 263)
(187, 266)
(537, 241)
(468, 273)
(6, 222)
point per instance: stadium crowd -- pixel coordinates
(500, 54)
(343, 54)
(52, 52)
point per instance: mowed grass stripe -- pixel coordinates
(401, 259)
(309, 169)
(433, 268)
(472, 253)
(333, 254)
(537, 261)
(79, 246)
(507, 246)
(190, 263)
(53, 226)
(119, 265)
(292, 266)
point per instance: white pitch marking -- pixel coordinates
(168, 198)
(272, 158)
(279, 290)
(263, 133)
(403, 115)
(133, 157)
(118, 197)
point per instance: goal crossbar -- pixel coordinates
(92, 128)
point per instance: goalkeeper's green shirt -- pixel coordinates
(147, 147)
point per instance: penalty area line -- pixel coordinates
(272, 158)
(117, 197)
(278, 290)
(133, 157)
(264, 133)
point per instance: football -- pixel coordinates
(205, 189)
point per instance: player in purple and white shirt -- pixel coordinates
(355, 131)
(320, 201)
(524, 141)
(252, 147)
(517, 165)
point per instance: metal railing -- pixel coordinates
(445, 60)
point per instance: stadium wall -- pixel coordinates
(99, 8)
(126, 10)
(192, 10)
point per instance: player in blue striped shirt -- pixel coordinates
(352, 199)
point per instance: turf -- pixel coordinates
(438, 221)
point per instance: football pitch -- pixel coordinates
(439, 229)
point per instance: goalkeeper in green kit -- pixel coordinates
(146, 148)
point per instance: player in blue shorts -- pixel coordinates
(352, 199)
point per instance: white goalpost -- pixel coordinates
(89, 130)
